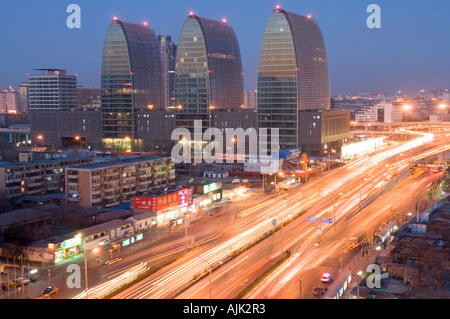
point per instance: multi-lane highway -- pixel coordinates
(346, 186)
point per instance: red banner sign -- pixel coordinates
(173, 200)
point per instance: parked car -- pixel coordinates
(49, 291)
(326, 277)
(33, 278)
(10, 284)
(319, 291)
(25, 281)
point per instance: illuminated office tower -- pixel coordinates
(208, 72)
(292, 74)
(131, 83)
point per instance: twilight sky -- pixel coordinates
(410, 52)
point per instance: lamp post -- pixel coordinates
(406, 108)
(443, 107)
(95, 250)
(41, 139)
(210, 274)
(334, 211)
(329, 157)
(359, 273)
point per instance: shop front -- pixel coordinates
(65, 250)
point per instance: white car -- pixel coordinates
(326, 277)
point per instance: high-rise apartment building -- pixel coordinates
(168, 55)
(131, 82)
(208, 72)
(55, 118)
(23, 95)
(53, 89)
(292, 74)
(9, 101)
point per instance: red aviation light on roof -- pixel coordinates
(277, 7)
(224, 20)
(145, 23)
(115, 18)
(191, 13)
(309, 16)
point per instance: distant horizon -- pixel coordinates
(409, 53)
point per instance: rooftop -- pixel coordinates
(113, 224)
(49, 158)
(118, 162)
(144, 215)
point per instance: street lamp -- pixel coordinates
(443, 107)
(334, 211)
(95, 250)
(329, 157)
(406, 108)
(78, 141)
(359, 273)
(41, 138)
(210, 274)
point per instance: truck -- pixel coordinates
(355, 241)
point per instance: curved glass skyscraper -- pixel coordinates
(292, 74)
(131, 81)
(208, 72)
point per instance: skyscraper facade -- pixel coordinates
(23, 93)
(292, 74)
(168, 55)
(131, 81)
(208, 73)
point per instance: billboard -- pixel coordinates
(176, 199)
(144, 203)
(207, 188)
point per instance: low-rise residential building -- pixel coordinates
(111, 183)
(33, 175)
(104, 234)
(143, 222)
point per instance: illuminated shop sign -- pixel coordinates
(71, 243)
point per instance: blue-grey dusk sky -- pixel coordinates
(410, 52)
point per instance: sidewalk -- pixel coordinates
(360, 263)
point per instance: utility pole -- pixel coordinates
(281, 237)
(185, 230)
(300, 289)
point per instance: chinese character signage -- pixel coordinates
(143, 203)
(177, 199)
(183, 198)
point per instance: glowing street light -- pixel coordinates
(406, 108)
(40, 138)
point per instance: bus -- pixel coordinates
(383, 234)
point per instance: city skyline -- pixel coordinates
(408, 53)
